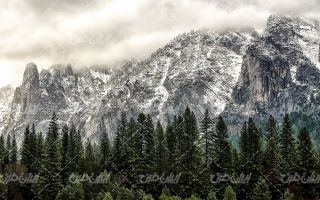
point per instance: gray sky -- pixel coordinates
(87, 32)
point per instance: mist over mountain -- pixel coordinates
(238, 73)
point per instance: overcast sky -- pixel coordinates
(87, 32)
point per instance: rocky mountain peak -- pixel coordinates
(200, 69)
(31, 76)
(27, 95)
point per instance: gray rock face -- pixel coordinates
(236, 73)
(197, 69)
(280, 72)
(29, 90)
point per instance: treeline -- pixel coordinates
(183, 160)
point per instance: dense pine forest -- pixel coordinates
(188, 158)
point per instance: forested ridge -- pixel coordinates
(188, 158)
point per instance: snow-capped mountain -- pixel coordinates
(232, 72)
(280, 72)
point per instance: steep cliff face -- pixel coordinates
(280, 71)
(197, 69)
(28, 94)
(236, 73)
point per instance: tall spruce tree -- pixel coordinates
(14, 151)
(8, 150)
(89, 158)
(138, 159)
(307, 163)
(119, 157)
(161, 150)
(105, 150)
(272, 159)
(287, 195)
(287, 145)
(222, 149)
(149, 145)
(26, 157)
(64, 154)
(207, 137)
(306, 156)
(250, 156)
(244, 149)
(39, 154)
(229, 194)
(255, 147)
(172, 146)
(2, 154)
(52, 161)
(261, 190)
(190, 155)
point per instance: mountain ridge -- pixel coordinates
(202, 70)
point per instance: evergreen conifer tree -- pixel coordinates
(261, 190)
(229, 194)
(207, 137)
(161, 150)
(14, 151)
(52, 182)
(64, 154)
(287, 145)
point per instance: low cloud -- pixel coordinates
(89, 32)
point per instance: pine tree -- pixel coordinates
(104, 196)
(222, 149)
(190, 154)
(272, 165)
(261, 190)
(148, 197)
(72, 191)
(307, 162)
(2, 154)
(64, 154)
(229, 194)
(119, 157)
(271, 128)
(26, 156)
(212, 196)
(235, 159)
(244, 149)
(14, 151)
(89, 158)
(39, 154)
(287, 145)
(250, 155)
(171, 140)
(52, 161)
(161, 150)
(255, 148)
(3, 189)
(207, 137)
(79, 151)
(105, 150)
(149, 146)
(8, 150)
(306, 157)
(33, 148)
(287, 195)
(72, 163)
(272, 158)
(138, 160)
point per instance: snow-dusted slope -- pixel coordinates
(239, 73)
(6, 96)
(280, 72)
(196, 69)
